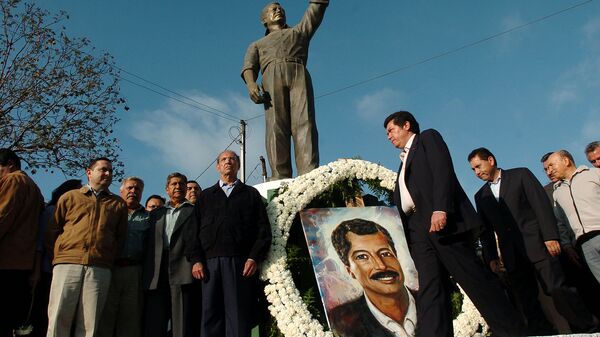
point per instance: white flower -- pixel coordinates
(286, 305)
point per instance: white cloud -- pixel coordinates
(189, 139)
(377, 105)
(591, 31)
(511, 40)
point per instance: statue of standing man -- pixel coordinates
(286, 92)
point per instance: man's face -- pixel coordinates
(594, 157)
(100, 175)
(176, 189)
(398, 135)
(228, 165)
(131, 192)
(153, 203)
(547, 170)
(192, 192)
(557, 167)
(374, 265)
(273, 13)
(484, 169)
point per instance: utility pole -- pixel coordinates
(243, 150)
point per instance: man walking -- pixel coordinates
(86, 233)
(233, 236)
(513, 204)
(577, 194)
(438, 219)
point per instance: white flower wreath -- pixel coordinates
(286, 305)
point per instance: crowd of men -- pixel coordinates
(529, 235)
(102, 264)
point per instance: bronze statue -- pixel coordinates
(286, 92)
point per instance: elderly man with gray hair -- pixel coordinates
(592, 152)
(122, 315)
(577, 193)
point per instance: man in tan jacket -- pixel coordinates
(87, 231)
(20, 205)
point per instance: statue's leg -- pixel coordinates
(304, 126)
(277, 117)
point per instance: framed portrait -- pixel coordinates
(361, 260)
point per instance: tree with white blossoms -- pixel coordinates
(58, 102)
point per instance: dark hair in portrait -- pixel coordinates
(359, 227)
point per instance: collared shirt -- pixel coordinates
(97, 193)
(408, 205)
(495, 185)
(407, 328)
(228, 188)
(137, 229)
(170, 220)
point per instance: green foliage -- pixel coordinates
(57, 101)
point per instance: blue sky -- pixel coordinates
(521, 94)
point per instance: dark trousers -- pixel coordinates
(170, 302)
(580, 277)
(566, 299)
(435, 262)
(522, 281)
(39, 313)
(15, 297)
(228, 299)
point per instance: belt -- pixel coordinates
(289, 59)
(126, 262)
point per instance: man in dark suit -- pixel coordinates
(513, 204)
(232, 237)
(386, 308)
(439, 220)
(167, 277)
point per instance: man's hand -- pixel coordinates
(496, 266)
(198, 271)
(553, 247)
(249, 268)
(438, 221)
(572, 255)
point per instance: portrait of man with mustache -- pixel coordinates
(386, 307)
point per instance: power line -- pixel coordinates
(233, 119)
(454, 50)
(177, 94)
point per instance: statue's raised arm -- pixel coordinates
(286, 90)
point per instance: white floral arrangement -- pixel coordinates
(286, 305)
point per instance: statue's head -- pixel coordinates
(271, 14)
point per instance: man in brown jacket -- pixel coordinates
(20, 205)
(88, 229)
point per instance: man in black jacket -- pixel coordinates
(232, 237)
(438, 219)
(513, 204)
